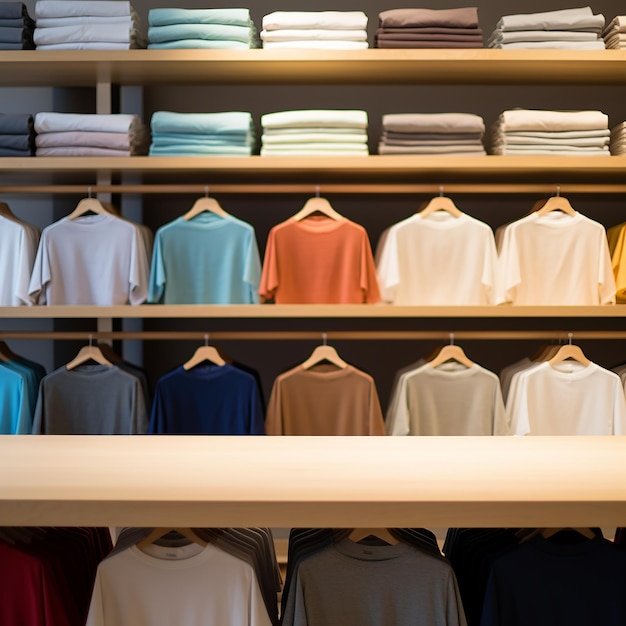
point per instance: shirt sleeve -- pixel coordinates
(23, 268)
(39, 415)
(257, 422)
(157, 280)
(157, 424)
(140, 419)
(606, 277)
(508, 275)
(369, 280)
(500, 419)
(41, 274)
(490, 269)
(252, 276)
(273, 419)
(376, 422)
(139, 269)
(387, 269)
(269, 276)
(95, 616)
(619, 410)
(398, 416)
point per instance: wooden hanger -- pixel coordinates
(556, 203)
(569, 351)
(359, 534)
(204, 353)
(6, 354)
(441, 203)
(88, 353)
(206, 203)
(324, 353)
(6, 212)
(451, 352)
(86, 205)
(317, 205)
(159, 533)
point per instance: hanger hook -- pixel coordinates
(558, 190)
(206, 191)
(441, 191)
(89, 191)
(206, 339)
(569, 338)
(451, 339)
(324, 338)
(90, 340)
(317, 191)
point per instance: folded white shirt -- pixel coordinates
(557, 151)
(292, 34)
(596, 142)
(321, 138)
(51, 22)
(530, 119)
(111, 123)
(91, 45)
(542, 35)
(315, 117)
(317, 44)
(564, 45)
(313, 151)
(565, 19)
(280, 131)
(88, 33)
(617, 25)
(560, 134)
(72, 8)
(339, 20)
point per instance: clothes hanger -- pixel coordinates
(6, 212)
(440, 203)
(317, 205)
(203, 204)
(324, 353)
(86, 205)
(88, 353)
(159, 533)
(569, 351)
(556, 203)
(204, 353)
(383, 534)
(451, 352)
(588, 533)
(6, 354)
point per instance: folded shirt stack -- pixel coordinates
(432, 133)
(16, 27)
(577, 29)
(429, 28)
(614, 34)
(17, 135)
(331, 30)
(618, 139)
(315, 132)
(88, 25)
(230, 29)
(228, 133)
(76, 134)
(524, 131)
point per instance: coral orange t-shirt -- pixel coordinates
(319, 260)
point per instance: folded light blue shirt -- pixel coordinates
(168, 16)
(213, 32)
(206, 260)
(223, 122)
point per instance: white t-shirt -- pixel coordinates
(448, 400)
(438, 260)
(209, 588)
(556, 259)
(567, 399)
(93, 259)
(18, 246)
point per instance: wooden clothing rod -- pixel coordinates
(364, 188)
(391, 335)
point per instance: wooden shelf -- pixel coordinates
(304, 311)
(313, 482)
(372, 66)
(373, 168)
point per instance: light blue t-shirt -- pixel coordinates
(15, 412)
(206, 260)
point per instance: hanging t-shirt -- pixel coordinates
(206, 260)
(207, 400)
(324, 400)
(556, 259)
(208, 587)
(93, 259)
(438, 260)
(544, 582)
(567, 399)
(352, 584)
(448, 400)
(319, 260)
(15, 411)
(90, 400)
(18, 247)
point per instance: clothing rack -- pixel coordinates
(357, 188)
(377, 335)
